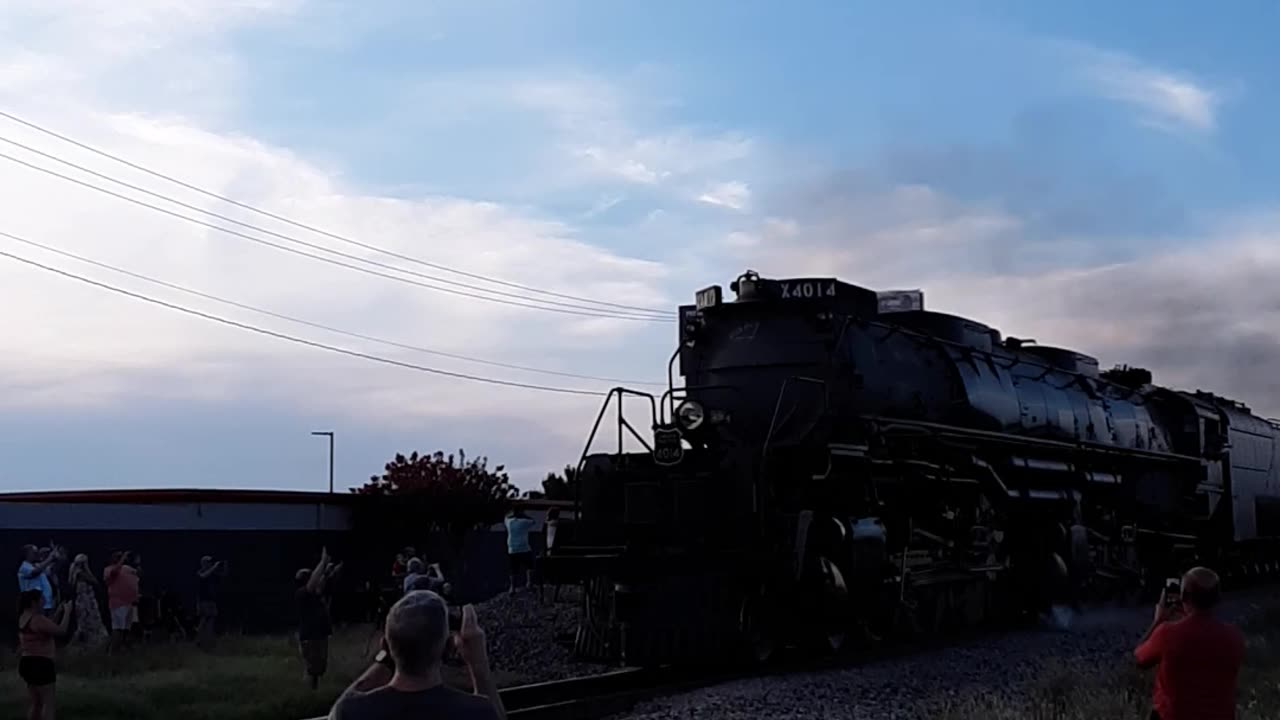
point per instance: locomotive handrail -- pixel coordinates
(620, 392)
(671, 378)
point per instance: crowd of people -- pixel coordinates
(64, 605)
(63, 602)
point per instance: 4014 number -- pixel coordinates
(807, 290)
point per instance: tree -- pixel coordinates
(437, 493)
(561, 487)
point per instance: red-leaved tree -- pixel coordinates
(438, 492)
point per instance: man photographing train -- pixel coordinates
(1198, 656)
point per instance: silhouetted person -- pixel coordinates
(314, 627)
(32, 575)
(37, 647)
(519, 552)
(1197, 656)
(405, 682)
(208, 583)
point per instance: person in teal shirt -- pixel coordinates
(519, 552)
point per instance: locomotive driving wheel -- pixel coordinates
(834, 606)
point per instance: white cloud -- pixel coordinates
(734, 195)
(119, 81)
(1166, 98)
(612, 133)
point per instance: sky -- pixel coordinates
(1095, 176)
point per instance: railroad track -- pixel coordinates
(591, 697)
(596, 696)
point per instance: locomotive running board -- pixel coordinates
(887, 424)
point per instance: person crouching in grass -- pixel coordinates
(314, 627)
(37, 636)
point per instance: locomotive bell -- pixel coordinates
(747, 286)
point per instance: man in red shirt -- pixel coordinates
(122, 596)
(1198, 656)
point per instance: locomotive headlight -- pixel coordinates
(691, 414)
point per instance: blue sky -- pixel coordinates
(1069, 171)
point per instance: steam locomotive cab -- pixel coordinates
(841, 464)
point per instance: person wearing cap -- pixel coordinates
(1197, 656)
(314, 627)
(208, 580)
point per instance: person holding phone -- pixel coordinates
(1197, 656)
(37, 646)
(404, 680)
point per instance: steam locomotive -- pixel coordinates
(840, 465)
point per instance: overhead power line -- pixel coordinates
(293, 338)
(261, 241)
(309, 323)
(293, 239)
(311, 228)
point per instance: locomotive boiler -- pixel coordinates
(839, 465)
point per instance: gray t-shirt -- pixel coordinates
(438, 703)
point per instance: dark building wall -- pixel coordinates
(264, 544)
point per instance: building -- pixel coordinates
(264, 536)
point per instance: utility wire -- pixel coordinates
(321, 326)
(295, 240)
(305, 226)
(321, 258)
(294, 338)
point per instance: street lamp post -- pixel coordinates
(329, 434)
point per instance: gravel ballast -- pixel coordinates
(994, 668)
(522, 631)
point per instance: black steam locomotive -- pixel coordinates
(840, 465)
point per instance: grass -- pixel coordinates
(245, 677)
(260, 678)
(1065, 691)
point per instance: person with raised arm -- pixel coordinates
(37, 647)
(405, 681)
(314, 627)
(121, 580)
(1197, 656)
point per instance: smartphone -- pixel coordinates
(451, 656)
(1172, 591)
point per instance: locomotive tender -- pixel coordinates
(841, 464)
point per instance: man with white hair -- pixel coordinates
(1198, 656)
(404, 680)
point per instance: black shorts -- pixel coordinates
(37, 671)
(520, 561)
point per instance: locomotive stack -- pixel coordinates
(840, 465)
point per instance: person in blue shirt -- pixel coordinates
(519, 552)
(32, 574)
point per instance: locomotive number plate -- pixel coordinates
(667, 449)
(807, 289)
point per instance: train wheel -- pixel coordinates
(835, 606)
